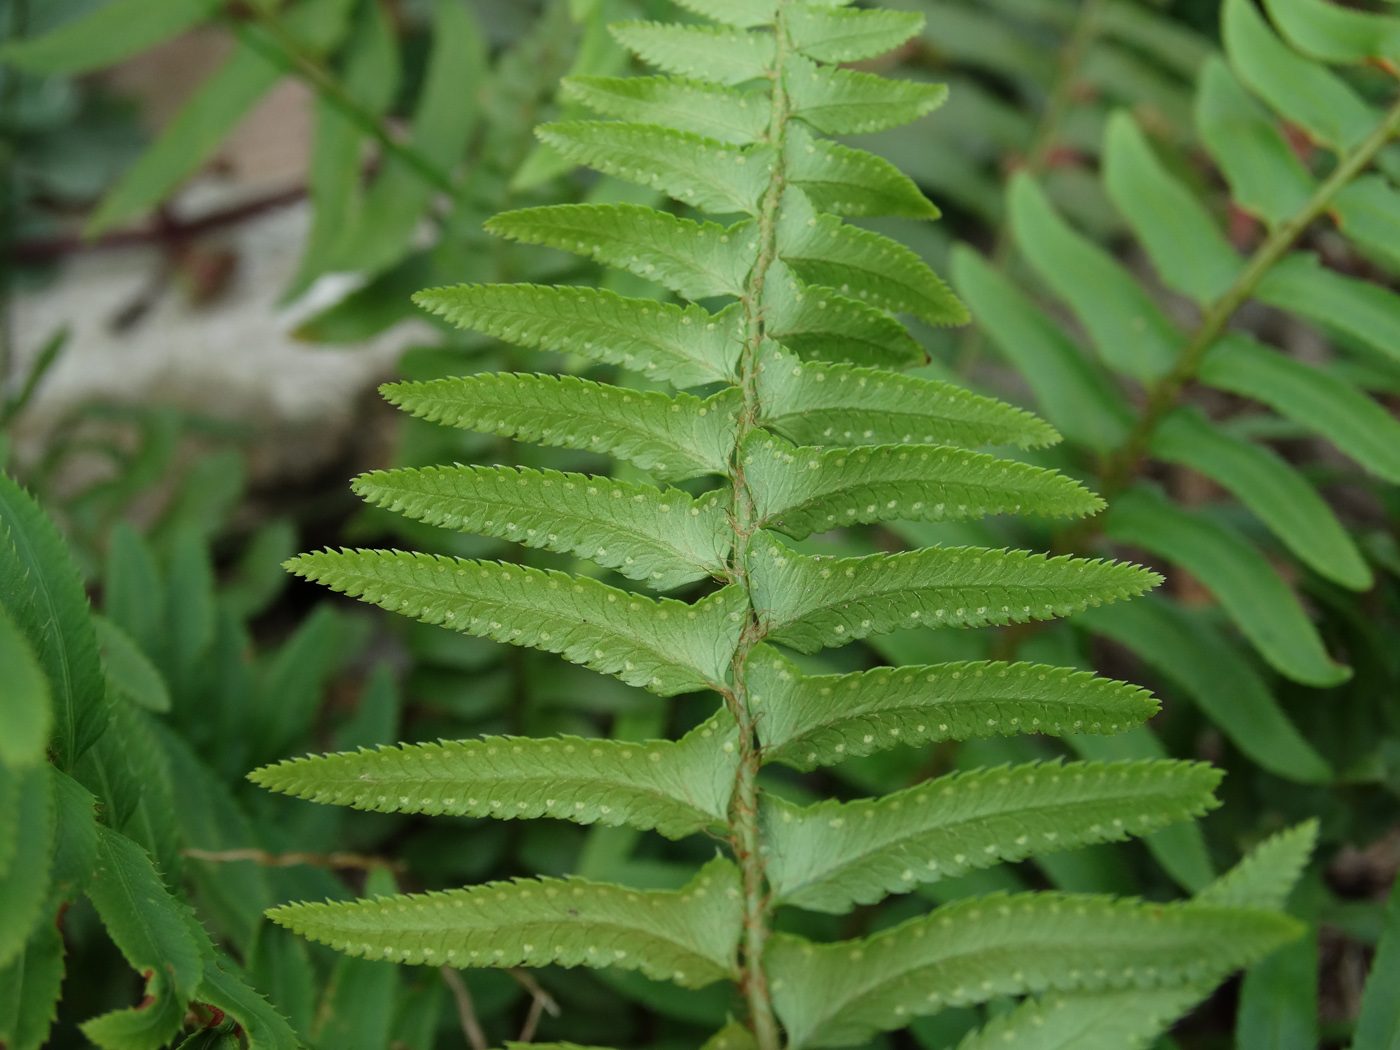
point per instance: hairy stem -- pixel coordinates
(1164, 394)
(743, 821)
(1049, 127)
(289, 54)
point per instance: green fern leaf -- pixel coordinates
(817, 720)
(846, 102)
(687, 936)
(704, 173)
(737, 117)
(821, 324)
(743, 14)
(665, 538)
(844, 993)
(720, 56)
(672, 437)
(1337, 34)
(685, 346)
(1096, 1021)
(677, 787)
(847, 181)
(1265, 877)
(862, 264)
(664, 645)
(835, 855)
(812, 603)
(816, 404)
(30, 987)
(835, 35)
(802, 490)
(696, 260)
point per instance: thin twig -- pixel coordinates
(532, 1020)
(466, 1011)
(292, 860)
(528, 982)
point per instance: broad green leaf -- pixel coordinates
(741, 13)
(106, 35)
(665, 645)
(814, 720)
(664, 538)
(155, 934)
(847, 181)
(1271, 488)
(809, 603)
(802, 490)
(1298, 89)
(672, 437)
(832, 404)
(293, 685)
(1378, 1026)
(27, 713)
(721, 56)
(688, 936)
(133, 597)
(1267, 875)
(1368, 212)
(29, 989)
(821, 324)
(193, 135)
(1129, 331)
(75, 837)
(1301, 285)
(1278, 1000)
(687, 346)
(1237, 574)
(443, 119)
(224, 987)
(695, 260)
(1186, 246)
(128, 669)
(1336, 34)
(835, 855)
(842, 101)
(861, 264)
(1266, 177)
(24, 880)
(842, 993)
(738, 117)
(704, 173)
(1073, 393)
(191, 608)
(677, 787)
(1311, 397)
(1190, 652)
(844, 35)
(1109, 1020)
(41, 592)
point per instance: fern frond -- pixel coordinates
(743, 14)
(813, 603)
(677, 787)
(696, 260)
(720, 56)
(842, 35)
(802, 490)
(737, 117)
(672, 437)
(822, 324)
(861, 264)
(687, 935)
(847, 102)
(1125, 1020)
(835, 855)
(665, 538)
(684, 345)
(661, 644)
(815, 720)
(1267, 875)
(707, 174)
(847, 181)
(832, 404)
(844, 993)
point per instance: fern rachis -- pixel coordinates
(809, 432)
